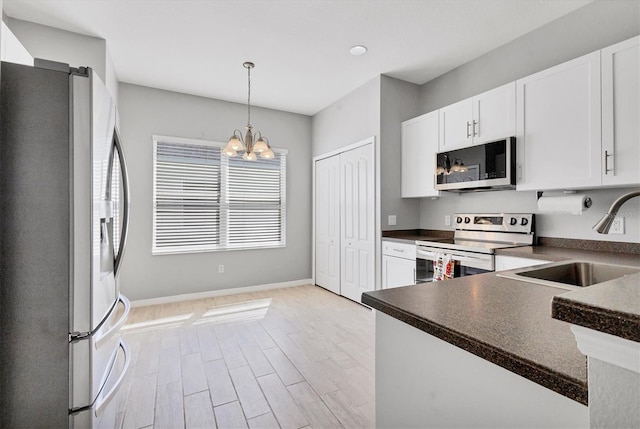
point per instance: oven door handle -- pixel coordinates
(468, 259)
(424, 254)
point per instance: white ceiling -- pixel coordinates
(300, 47)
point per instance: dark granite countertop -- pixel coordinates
(506, 322)
(612, 307)
(553, 254)
(509, 323)
(417, 234)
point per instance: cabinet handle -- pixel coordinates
(415, 277)
(468, 132)
(519, 172)
(606, 162)
(476, 133)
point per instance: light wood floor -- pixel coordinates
(292, 358)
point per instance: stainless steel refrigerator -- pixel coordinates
(64, 214)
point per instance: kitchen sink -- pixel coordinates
(570, 274)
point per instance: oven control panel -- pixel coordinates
(504, 222)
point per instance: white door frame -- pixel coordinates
(377, 219)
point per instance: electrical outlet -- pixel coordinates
(447, 220)
(392, 220)
(617, 227)
(221, 268)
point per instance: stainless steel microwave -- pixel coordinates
(482, 167)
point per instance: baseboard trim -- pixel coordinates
(214, 293)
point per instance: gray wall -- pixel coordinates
(592, 27)
(353, 118)
(375, 109)
(599, 24)
(398, 102)
(146, 111)
(432, 213)
(66, 47)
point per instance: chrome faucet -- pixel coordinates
(604, 224)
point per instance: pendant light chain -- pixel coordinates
(249, 97)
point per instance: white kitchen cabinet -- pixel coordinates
(621, 113)
(398, 264)
(559, 126)
(456, 121)
(418, 150)
(504, 263)
(485, 117)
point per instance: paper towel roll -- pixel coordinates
(571, 204)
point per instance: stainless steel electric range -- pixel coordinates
(476, 238)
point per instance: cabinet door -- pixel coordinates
(327, 221)
(397, 272)
(419, 148)
(494, 114)
(558, 126)
(357, 222)
(456, 125)
(621, 113)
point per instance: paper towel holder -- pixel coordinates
(587, 201)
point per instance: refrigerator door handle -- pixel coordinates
(116, 326)
(103, 400)
(126, 203)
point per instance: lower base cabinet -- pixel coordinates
(397, 272)
(398, 264)
(425, 382)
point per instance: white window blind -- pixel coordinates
(204, 201)
(254, 200)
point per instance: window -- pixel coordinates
(203, 201)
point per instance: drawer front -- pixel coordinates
(400, 250)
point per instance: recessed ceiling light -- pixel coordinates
(358, 50)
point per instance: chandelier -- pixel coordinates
(238, 144)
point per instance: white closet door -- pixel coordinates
(358, 222)
(328, 223)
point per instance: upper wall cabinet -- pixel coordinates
(485, 117)
(419, 148)
(558, 126)
(621, 113)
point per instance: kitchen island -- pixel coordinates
(479, 351)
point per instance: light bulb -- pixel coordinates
(456, 167)
(229, 152)
(260, 146)
(249, 156)
(235, 143)
(267, 154)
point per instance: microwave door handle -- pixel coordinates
(125, 200)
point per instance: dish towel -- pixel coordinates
(443, 267)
